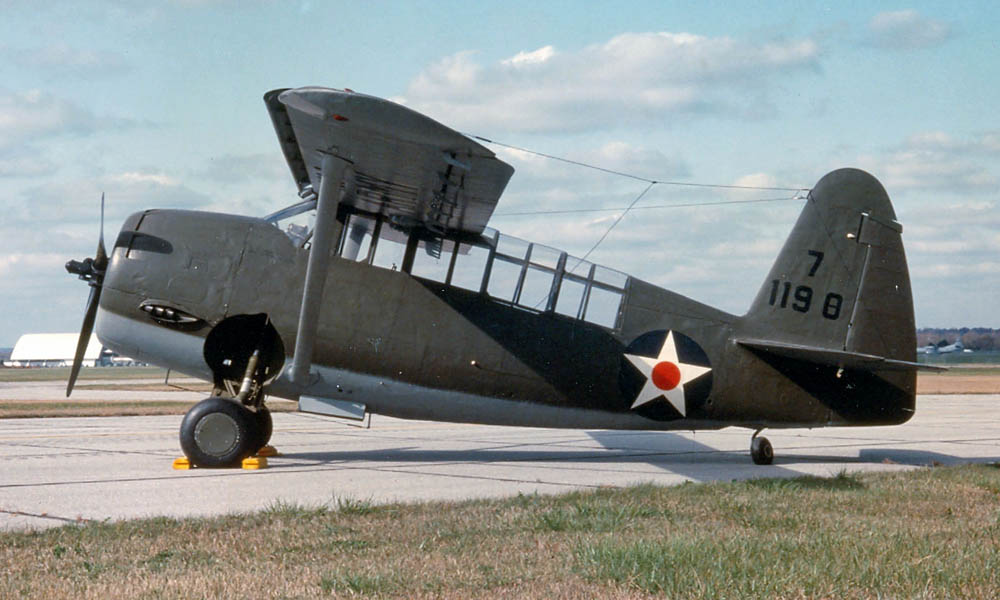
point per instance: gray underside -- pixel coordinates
(406, 401)
(151, 343)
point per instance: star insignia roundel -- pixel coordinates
(672, 372)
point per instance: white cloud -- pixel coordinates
(545, 183)
(636, 160)
(526, 58)
(715, 254)
(632, 79)
(949, 270)
(766, 248)
(33, 114)
(906, 30)
(939, 161)
(77, 204)
(60, 59)
(25, 162)
(929, 170)
(958, 232)
(931, 139)
(990, 141)
(144, 178)
(987, 142)
(40, 261)
(237, 168)
(952, 248)
(756, 180)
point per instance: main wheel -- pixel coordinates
(264, 426)
(761, 451)
(218, 433)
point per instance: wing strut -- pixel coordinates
(335, 171)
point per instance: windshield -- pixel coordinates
(296, 221)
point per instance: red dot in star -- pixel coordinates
(666, 375)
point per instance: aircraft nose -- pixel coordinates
(138, 258)
(172, 263)
(139, 261)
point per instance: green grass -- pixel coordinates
(960, 359)
(362, 584)
(62, 374)
(927, 533)
(24, 410)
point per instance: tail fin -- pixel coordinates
(840, 282)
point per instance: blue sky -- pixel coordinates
(159, 105)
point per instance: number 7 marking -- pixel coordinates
(819, 258)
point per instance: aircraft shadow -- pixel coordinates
(688, 457)
(901, 456)
(919, 458)
(670, 452)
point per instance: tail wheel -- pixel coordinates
(219, 433)
(761, 451)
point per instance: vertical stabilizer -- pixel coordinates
(840, 281)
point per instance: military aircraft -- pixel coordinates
(381, 290)
(946, 348)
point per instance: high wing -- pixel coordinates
(405, 165)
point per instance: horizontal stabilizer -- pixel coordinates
(836, 358)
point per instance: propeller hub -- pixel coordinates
(87, 270)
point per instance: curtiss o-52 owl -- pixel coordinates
(381, 290)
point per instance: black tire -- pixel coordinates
(218, 433)
(761, 451)
(264, 426)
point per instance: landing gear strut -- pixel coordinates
(760, 449)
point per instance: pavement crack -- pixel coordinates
(21, 513)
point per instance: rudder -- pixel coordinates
(841, 280)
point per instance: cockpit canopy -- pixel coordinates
(507, 269)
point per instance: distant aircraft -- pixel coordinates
(381, 290)
(928, 349)
(949, 348)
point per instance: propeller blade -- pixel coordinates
(101, 258)
(92, 271)
(85, 331)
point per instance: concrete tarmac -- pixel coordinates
(67, 470)
(98, 390)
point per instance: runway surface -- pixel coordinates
(65, 470)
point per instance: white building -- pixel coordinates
(52, 350)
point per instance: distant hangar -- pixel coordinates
(57, 350)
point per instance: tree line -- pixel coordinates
(973, 338)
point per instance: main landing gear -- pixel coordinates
(231, 425)
(760, 449)
(219, 432)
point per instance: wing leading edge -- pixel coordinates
(406, 166)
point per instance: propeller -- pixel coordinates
(92, 271)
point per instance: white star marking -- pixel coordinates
(665, 375)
